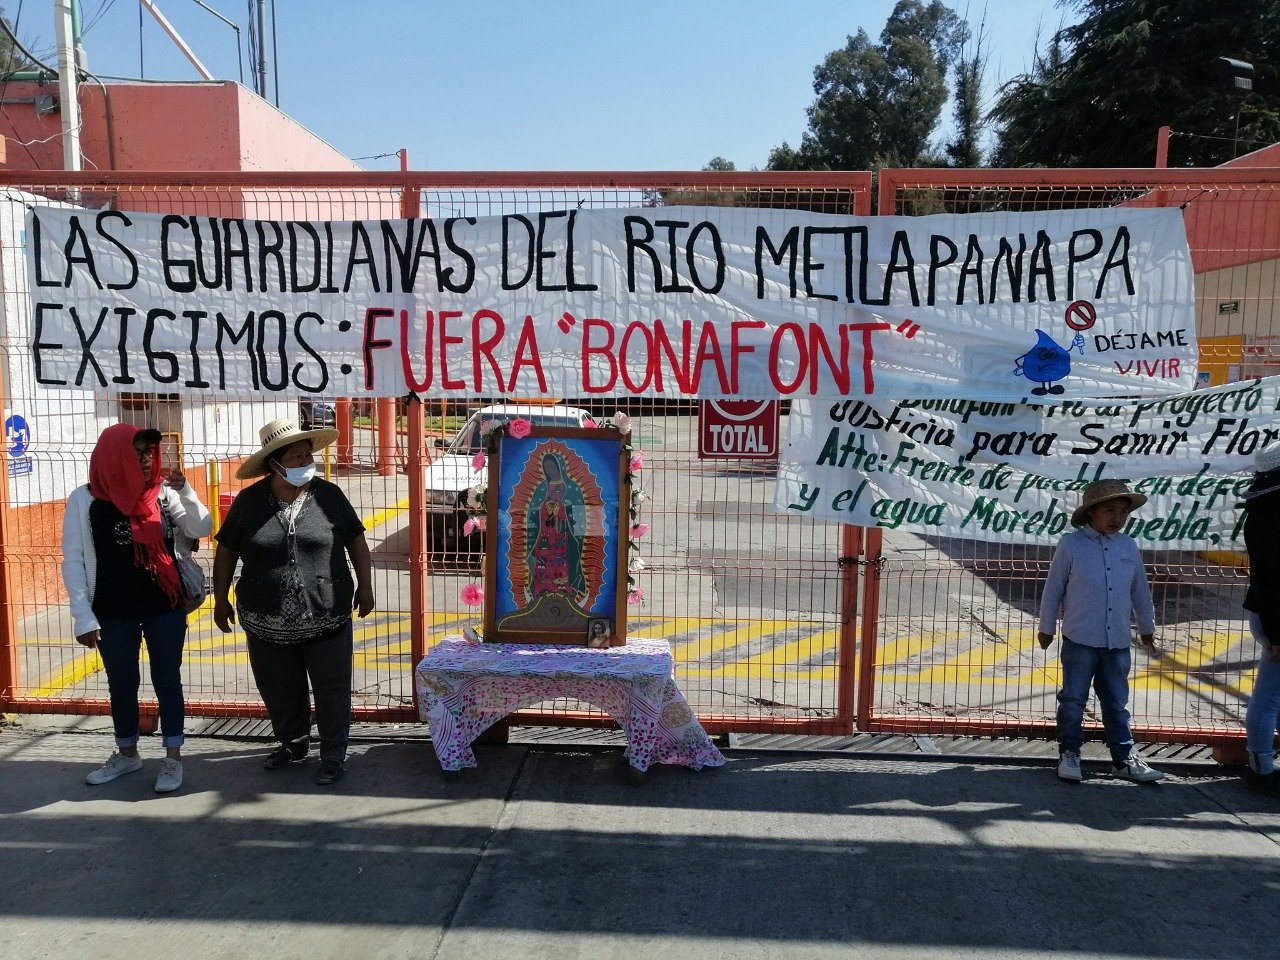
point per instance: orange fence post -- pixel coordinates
(342, 420)
(870, 627)
(386, 415)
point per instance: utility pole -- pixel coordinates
(262, 48)
(67, 87)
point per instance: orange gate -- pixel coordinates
(759, 607)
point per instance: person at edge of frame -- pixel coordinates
(1262, 601)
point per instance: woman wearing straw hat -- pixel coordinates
(1262, 600)
(293, 533)
(1098, 584)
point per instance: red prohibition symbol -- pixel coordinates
(1081, 315)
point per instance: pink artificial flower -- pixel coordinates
(634, 596)
(520, 428)
(479, 460)
(638, 530)
(637, 461)
(472, 595)
(589, 423)
(473, 525)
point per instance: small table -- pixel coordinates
(464, 688)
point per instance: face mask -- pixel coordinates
(299, 476)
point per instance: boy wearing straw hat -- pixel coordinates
(1098, 584)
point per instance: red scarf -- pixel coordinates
(116, 475)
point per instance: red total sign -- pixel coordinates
(737, 429)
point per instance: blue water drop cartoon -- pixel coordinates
(1046, 363)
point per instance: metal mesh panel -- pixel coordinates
(753, 602)
(953, 647)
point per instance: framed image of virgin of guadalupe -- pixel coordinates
(556, 559)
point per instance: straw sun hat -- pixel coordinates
(1100, 490)
(277, 435)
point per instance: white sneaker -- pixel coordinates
(1136, 769)
(170, 778)
(1069, 767)
(117, 766)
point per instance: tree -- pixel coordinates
(11, 58)
(965, 148)
(878, 103)
(1104, 86)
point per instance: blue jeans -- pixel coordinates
(1108, 672)
(119, 646)
(1264, 704)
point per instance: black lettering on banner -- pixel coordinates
(358, 232)
(308, 349)
(76, 237)
(901, 249)
(210, 281)
(463, 254)
(1012, 268)
(1040, 267)
(195, 316)
(371, 343)
(231, 252)
(124, 313)
(228, 332)
(574, 285)
(642, 242)
(1074, 256)
(507, 221)
(153, 355)
(1118, 256)
(276, 318)
(328, 259)
(543, 254)
(38, 346)
(972, 268)
(675, 286)
(295, 284)
(788, 250)
(272, 249)
(812, 266)
(936, 263)
(179, 275)
(38, 256)
(86, 345)
(406, 256)
(103, 217)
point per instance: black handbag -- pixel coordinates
(191, 578)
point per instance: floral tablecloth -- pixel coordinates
(464, 688)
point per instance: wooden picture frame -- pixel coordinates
(556, 546)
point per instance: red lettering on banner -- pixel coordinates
(868, 352)
(709, 351)
(371, 342)
(794, 331)
(589, 325)
(527, 355)
(483, 347)
(680, 364)
(651, 368)
(446, 382)
(412, 382)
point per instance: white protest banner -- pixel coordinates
(664, 301)
(1013, 472)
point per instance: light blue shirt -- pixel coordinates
(1098, 583)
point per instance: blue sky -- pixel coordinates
(534, 85)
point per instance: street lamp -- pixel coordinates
(1237, 77)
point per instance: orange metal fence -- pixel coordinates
(762, 609)
(758, 607)
(948, 641)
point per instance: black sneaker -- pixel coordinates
(284, 755)
(1263, 782)
(330, 772)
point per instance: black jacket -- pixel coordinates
(1262, 540)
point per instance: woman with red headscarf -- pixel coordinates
(122, 581)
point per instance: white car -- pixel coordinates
(451, 474)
